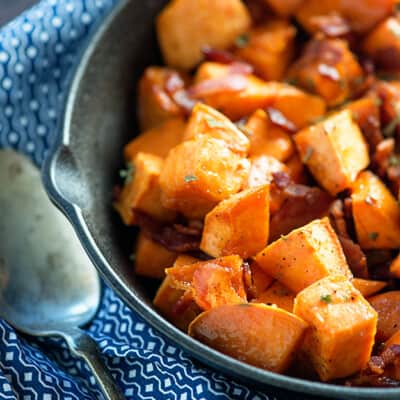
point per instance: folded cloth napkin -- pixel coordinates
(37, 51)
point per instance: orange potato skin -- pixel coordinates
(342, 327)
(268, 139)
(154, 104)
(368, 287)
(277, 294)
(262, 168)
(334, 150)
(376, 213)
(238, 225)
(260, 280)
(304, 256)
(327, 68)
(184, 27)
(270, 49)
(199, 173)
(296, 170)
(387, 305)
(205, 120)
(142, 191)
(151, 259)
(259, 94)
(167, 135)
(257, 334)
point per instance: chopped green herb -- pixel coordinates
(389, 129)
(308, 154)
(292, 81)
(242, 40)
(373, 235)
(341, 83)
(359, 80)
(127, 173)
(397, 7)
(394, 160)
(377, 101)
(212, 123)
(310, 84)
(190, 178)
(326, 298)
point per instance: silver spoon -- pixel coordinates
(48, 286)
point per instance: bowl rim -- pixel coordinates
(212, 358)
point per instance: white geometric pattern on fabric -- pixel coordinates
(37, 51)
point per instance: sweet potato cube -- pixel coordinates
(304, 256)
(395, 267)
(376, 213)
(142, 190)
(382, 44)
(268, 139)
(277, 294)
(368, 287)
(342, 327)
(284, 8)
(166, 135)
(260, 280)
(328, 68)
(155, 103)
(262, 169)
(151, 258)
(199, 173)
(184, 27)
(257, 334)
(269, 48)
(247, 93)
(297, 170)
(205, 120)
(334, 150)
(238, 225)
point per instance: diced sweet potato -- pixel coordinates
(266, 138)
(304, 256)
(296, 170)
(142, 190)
(284, 8)
(376, 213)
(327, 68)
(393, 371)
(269, 48)
(334, 150)
(238, 225)
(151, 259)
(167, 135)
(342, 327)
(261, 335)
(260, 279)
(362, 15)
(395, 267)
(247, 93)
(368, 287)
(199, 173)
(262, 168)
(155, 104)
(383, 44)
(205, 120)
(277, 294)
(211, 283)
(389, 96)
(387, 306)
(168, 300)
(184, 27)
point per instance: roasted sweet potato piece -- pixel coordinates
(368, 287)
(205, 120)
(261, 335)
(239, 95)
(395, 267)
(268, 139)
(167, 135)
(184, 27)
(155, 103)
(142, 191)
(327, 68)
(334, 150)
(238, 225)
(211, 283)
(382, 44)
(262, 169)
(268, 48)
(304, 256)
(284, 8)
(343, 326)
(376, 213)
(199, 173)
(362, 15)
(260, 279)
(151, 259)
(277, 294)
(389, 94)
(387, 306)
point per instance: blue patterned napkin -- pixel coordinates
(37, 51)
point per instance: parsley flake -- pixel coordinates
(127, 173)
(389, 129)
(373, 235)
(242, 40)
(326, 298)
(308, 154)
(190, 178)
(394, 160)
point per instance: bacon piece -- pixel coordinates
(229, 83)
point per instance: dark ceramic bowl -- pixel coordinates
(82, 168)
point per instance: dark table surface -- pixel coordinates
(11, 8)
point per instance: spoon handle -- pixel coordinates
(82, 345)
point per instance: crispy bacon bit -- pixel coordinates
(281, 179)
(174, 82)
(182, 99)
(240, 67)
(332, 25)
(229, 83)
(280, 120)
(380, 161)
(258, 10)
(216, 55)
